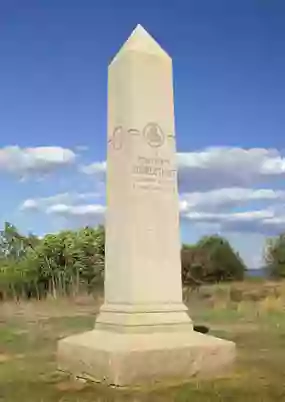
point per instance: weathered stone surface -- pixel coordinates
(141, 359)
(142, 222)
(143, 332)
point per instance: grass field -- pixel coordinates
(251, 314)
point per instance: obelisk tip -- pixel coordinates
(141, 41)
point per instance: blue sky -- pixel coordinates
(229, 65)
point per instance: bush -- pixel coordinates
(59, 264)
(211, 260)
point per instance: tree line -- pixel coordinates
(71, 262)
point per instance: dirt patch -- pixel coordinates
(4, 358)
(37, 310)
(72, 385)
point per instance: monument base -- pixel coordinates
(128, 359)
(143, 318)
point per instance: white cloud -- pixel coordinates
(258, 160)
(42, 203)
(79, 215)
(96, 168)
(225, 198)
(29, 204)
(78, 210)
(247, 216)
(38, 160)
(264, 221)
(219, 167)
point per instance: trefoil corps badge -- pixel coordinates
(117, 138)
(154, 135)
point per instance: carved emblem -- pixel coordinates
(133, 131)
(154, 135)
(117, 139)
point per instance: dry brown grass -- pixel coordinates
(250, 313)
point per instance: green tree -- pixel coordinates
(15, 272)
(224, 264)
(91, 246)
(11, 243)
(59, 264)
(275, 256)
(70, 260)
(212, 259)
(193, 264)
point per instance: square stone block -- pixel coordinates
(127, 359)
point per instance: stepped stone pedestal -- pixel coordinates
(143, 333)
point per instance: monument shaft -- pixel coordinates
(142, 223)
(143, 270)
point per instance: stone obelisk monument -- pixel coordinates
(143, 332)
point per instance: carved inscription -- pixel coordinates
(153, 173)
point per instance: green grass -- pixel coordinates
(29, 333)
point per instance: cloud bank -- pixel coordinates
(236, 192)
(222, 167)
(225, 189)
(34, 161)
(233, 188)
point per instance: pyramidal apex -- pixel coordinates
(142, 42)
